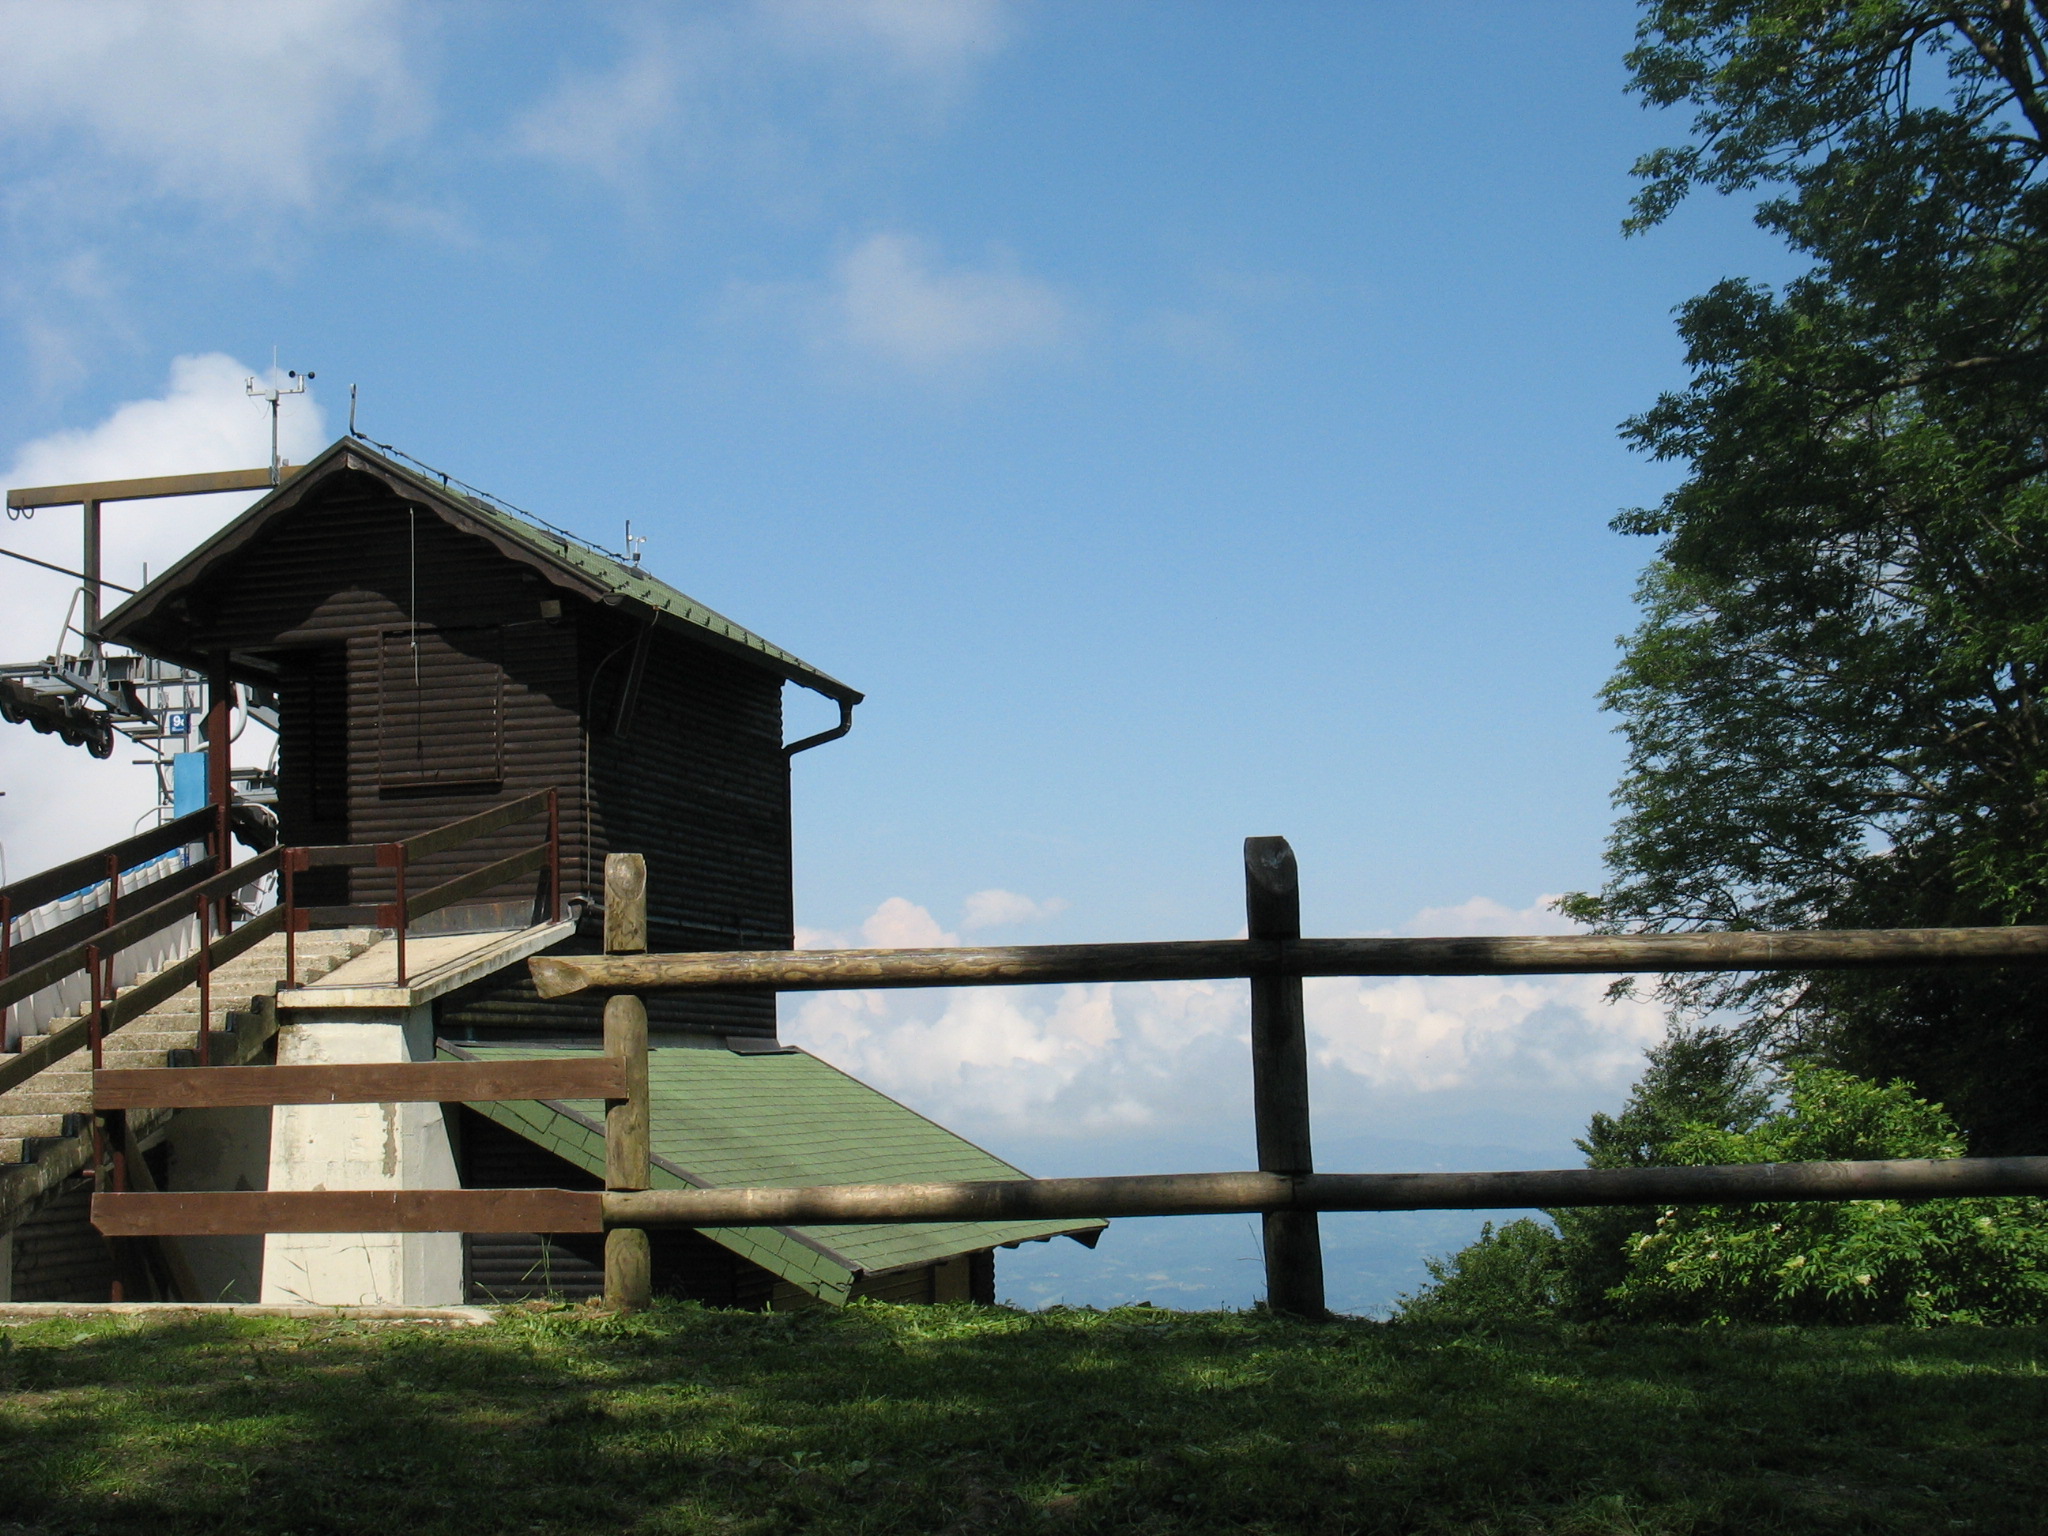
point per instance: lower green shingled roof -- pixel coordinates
(723, 1118)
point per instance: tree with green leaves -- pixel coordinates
(1837, 702)
(1919, 1263)
(1695, 1081)
(1916, 1262)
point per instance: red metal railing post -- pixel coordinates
(398, 849)
(223, 861)
(554, 857)
(92, 1034)
(6, 956)
(288, 863)
(206, 989)
(92, 1025)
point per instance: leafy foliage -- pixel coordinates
(1834, 704)
(1514, 1275)
(1695, 1078)
(1919, 1264)
(1862, 1261)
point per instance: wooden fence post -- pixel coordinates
(1293, 1239)
(628, 1262)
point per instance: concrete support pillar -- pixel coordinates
(361, 1146)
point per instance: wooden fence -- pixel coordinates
(1274, 958)
(1286, 1191)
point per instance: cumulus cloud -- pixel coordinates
(932, 38)
(1484, 915)
(1079, 1061)
(1006, 909)
(892, 298)
(899, 923)
(240, 104)
(608, 121)
(1174, 1058)
(59, 801)
(1429, 1034)
(700, 90)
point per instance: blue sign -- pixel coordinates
(178, 722)
(188, 782)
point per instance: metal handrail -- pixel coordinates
(108, 864)
(406, 906)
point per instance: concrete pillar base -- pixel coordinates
(361, 1146)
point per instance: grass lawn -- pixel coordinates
(967, 1419)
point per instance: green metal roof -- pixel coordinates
(723, 1118)
(569, 562)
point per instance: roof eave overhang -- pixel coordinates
(130, 623)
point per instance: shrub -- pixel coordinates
(1513, 1275)
(1859, 1261)
(1863, 1261)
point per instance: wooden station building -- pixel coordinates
(433, 655)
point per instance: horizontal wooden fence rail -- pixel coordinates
(1162, 1194)
(135, 1001)
(425, 1082)
(200, 1214)
(823, 970)
(1219, 1194)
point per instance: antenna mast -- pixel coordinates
(273, 394)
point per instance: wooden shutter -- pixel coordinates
(440, 709)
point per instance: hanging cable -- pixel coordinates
(496, 501)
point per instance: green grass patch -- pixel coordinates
(972, 1419)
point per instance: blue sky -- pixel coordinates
(1184, 421)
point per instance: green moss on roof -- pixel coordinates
(619, 579)
(719, 1119)
(574, 565)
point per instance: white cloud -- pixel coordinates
(1006, 909)
(890, 298)
(1174, 1058)
(901, 924)
(59, 801)
(917, 37)
(1484, 915)
(609, 121)
(702, 90)
(1430, 1034)
(242, 104)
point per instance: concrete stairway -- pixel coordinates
(46, 1122)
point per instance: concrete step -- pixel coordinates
(152, 1033)
(16, 1150)
(21, 1102)
(37, 1125)
(78, 1065)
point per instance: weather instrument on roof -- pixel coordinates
(275, 392)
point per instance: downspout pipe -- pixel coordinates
(845, 724)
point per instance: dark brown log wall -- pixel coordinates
(425, 675)
(335, 594)
(697, 781)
